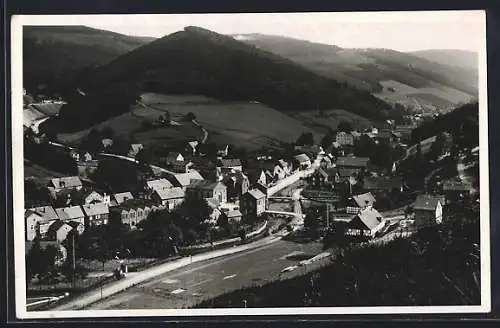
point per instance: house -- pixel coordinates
(31, 220)
(170, 197)
(237, 184)
(86, 169)
(135, 149)
(122, 197)
(231, 164)
(107, 143)
(208, 189)
(428, 210)
(353, 162)
(58, 231)
(161, 184)
(92, 197)
(320, 178)
(45, 216)
(253, 203)
(71, 213)
(184, 179)
(457, 190)
(344, 138)
(174, 158)
(357, 203)
(87, 157)
(132, 212)
(96, 214)
(382, 184)
(72, 182)
(365, 224)
(76, 226)
(341, 174)
(74, 155)
(303, 161)
(232, 216)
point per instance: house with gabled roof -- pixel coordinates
(42, 218)
(135, 149)
(158, 184)
(184, 179)
(357, 203)
(96, 214)
(428, 210)
(58, 231)
(31, 220)
(232, 216)
(230, 164)
(207, 189)
(303, 161)
(131, 212)
(457, 190)
(237, 184)
(71, 213)
(170, 197)
(72, 182)
(366, 223)
(253, 203)
(121, 197)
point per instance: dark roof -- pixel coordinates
(427, 202)
(353, 161)
(203, 184)
(56, 225)
(230, 162)
(256, 193)
(367, 219)
(382, 183)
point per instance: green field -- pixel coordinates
(331, 119)
(247, 124)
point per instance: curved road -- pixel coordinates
(187, 286)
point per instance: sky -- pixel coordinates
(402, 31)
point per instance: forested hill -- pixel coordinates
(462, 123)
(198, 61)
(53, 54)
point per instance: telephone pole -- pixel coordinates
(74, 260)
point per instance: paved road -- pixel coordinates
(187, 286)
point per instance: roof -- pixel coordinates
(370, 218)
(302, 158)
(31, 115)
(230, 162)
(382, 183)
(50, 109)
(159, 184)
(323, 172)
(184, 179)
(56, 225)
(427, 202)
(233, 214)
(69, 182)
(457, 185)
(95, 209)
(71, 212)
(353, 161)
(120, 197)
(203, 184)
(256, 193)
(365, 199)
(170, 193)
(172, 157)
(46, 212)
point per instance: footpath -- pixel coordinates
(130, 281)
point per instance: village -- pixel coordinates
(360, 185)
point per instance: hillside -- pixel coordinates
(426, 83)
(52, 54)
(458, 58)
(197, 61)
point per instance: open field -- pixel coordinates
(39, 172)
(248, 124)
(431, 96)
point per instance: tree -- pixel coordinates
(108, 132)
(305, 139)
(92, 142)
(344, 126)
(189, 117)
(327, 140)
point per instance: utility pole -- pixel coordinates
(74, 260)
(327, 216)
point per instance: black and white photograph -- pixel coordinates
(250, 164)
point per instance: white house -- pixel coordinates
(366, 223)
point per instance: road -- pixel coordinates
(187, 286)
